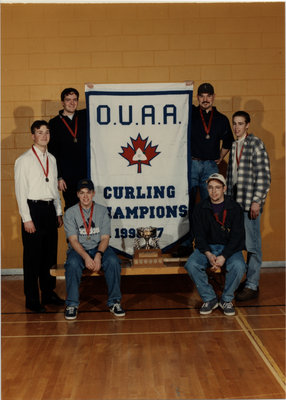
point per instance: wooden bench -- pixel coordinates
(170, 266)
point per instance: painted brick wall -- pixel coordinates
(239, 47)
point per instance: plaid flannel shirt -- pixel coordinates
(253, 175)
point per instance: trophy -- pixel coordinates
(146, 248)
(146, 238)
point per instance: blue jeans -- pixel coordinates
(254, 252)
(200, 172)
(74, 267)
(235, 269)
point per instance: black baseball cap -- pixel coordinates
(205, 88)
(85, 183)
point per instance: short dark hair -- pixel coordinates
(206, 88)
(68, 91)
(37, 125)
(243, 114)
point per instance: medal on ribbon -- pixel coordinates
(73, 133)
(207, 128)
(46, 171)
(223, 220)
(240, 154)
(87, 227)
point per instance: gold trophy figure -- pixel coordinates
(146, 248)
(146, 238)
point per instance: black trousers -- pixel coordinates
(40, 251)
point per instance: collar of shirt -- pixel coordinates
(40, 154)
(241, 139)
(67, 115)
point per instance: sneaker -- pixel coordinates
(227, 307)
(71, 312)
(207, 307)
(247, 294)
(117, 310)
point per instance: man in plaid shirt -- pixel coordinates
(248, 181)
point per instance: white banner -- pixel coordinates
(139, 158)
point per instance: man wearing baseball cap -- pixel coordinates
(219, 240)
(211, 140)
(87, 227)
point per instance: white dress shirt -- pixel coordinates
(30, 181)
(238, 147)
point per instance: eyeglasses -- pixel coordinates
(215, 187)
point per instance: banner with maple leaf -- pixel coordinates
(139, 158)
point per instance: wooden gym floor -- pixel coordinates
(163, 349)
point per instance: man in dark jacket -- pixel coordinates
(68, 145)
(211, 139)
(219, 239)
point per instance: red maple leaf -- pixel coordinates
(139, 154)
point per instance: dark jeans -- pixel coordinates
(40, 251)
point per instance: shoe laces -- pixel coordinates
(117, 306)
(70, 309)
(227, 304)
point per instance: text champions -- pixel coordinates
(142, 211)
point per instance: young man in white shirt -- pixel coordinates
(40, 209)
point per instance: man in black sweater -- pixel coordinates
(69, 145)
(219, 240)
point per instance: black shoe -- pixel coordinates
(241, 286)
(37, 308)
(247, 294)
(52, 298)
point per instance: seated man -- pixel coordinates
(87, 227)
(219, 239)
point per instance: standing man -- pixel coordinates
(40, 209)
(211, 139)
(248, 181)
(87, 227)
(69, 145)
(219, 240)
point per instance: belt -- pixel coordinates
(41, 202)
(199, 159)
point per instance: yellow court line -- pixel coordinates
(131, 333)
(125, 319)
(261, 350)
(123, 333)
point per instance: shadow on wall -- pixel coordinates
(11, 221)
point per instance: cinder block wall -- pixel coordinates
(239, 47)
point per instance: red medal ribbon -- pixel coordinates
(87, 228)
(73, 133)
(223, 218)
(240, 154)
(207, 128)
(47, 164)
